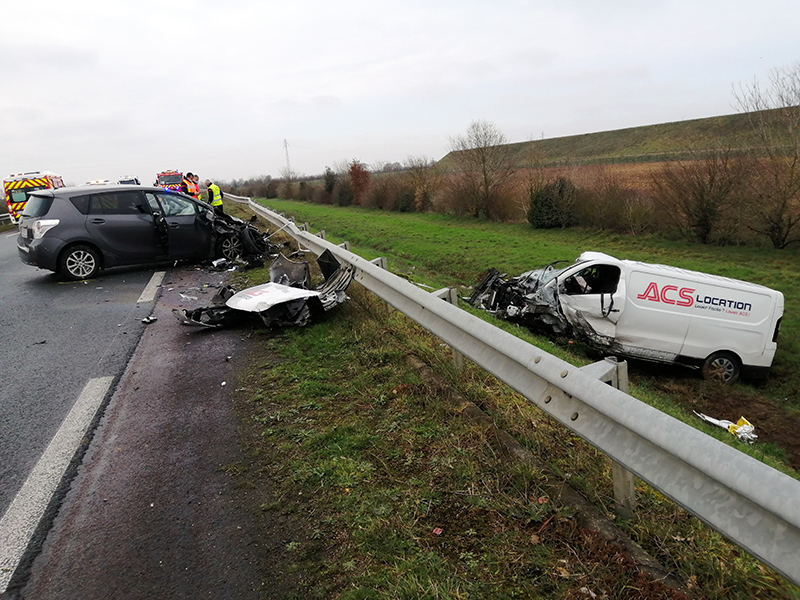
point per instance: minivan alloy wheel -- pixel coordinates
(80, 262)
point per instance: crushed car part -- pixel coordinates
(286, 300)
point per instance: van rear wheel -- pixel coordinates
(722, 366)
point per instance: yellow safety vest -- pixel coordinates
(214, 195)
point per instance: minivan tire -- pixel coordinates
(253, 241)
(229, 246)
(723, 367)
(79, 262)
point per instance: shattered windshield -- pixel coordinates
(542, 276)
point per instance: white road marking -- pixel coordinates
(26, 510)
(149, 292)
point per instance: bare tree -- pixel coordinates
(774, 114)
(483, 166)
(425, 178)
(698, 193)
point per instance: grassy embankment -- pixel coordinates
(649, 143)
(371, 461)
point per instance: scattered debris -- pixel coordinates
(742, 429)
(150, 319)
(288, 299)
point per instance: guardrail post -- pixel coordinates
(321, 234)
(345, 246)
(451, 295)
(383, 264)
(615, 373)
(624, 484)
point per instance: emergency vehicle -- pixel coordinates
(17, 186)
(170, 180)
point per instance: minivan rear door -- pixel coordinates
(121, 225)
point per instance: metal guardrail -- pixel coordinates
(5, 217)
(752, 504)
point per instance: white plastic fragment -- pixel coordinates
(742, 429)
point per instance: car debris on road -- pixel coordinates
(289, 299)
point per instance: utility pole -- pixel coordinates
(289, 174)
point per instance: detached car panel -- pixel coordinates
(78, 231)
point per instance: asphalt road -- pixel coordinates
(56, 338)
(148, 507)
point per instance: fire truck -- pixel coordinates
(17, 186)
(170, 180)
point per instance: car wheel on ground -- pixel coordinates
(229, 246)
(721, 366)
(80, 262)
(253, 240)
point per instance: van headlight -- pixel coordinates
(42, 226)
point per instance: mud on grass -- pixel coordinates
(383, 492)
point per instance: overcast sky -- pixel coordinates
(97, 90)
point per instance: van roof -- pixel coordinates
(669, 270)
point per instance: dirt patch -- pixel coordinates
(773, 424)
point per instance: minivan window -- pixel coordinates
(81, 203)
(116, 203)
(37, 206)
(175, 205)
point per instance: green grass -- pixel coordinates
(443, 251)
(664, 141)
(371, 461)
(394, 496)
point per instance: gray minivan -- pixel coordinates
(77, 231)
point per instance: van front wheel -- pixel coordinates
(722, 366)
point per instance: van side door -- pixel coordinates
(592, 299)
(657, 315)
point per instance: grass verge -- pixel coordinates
(398, 497)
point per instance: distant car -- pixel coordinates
(129, 180)
(77, 231)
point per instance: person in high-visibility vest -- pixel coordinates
(187, 185)
(215, 197)
(196, 192)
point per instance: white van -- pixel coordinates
(723, 326)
